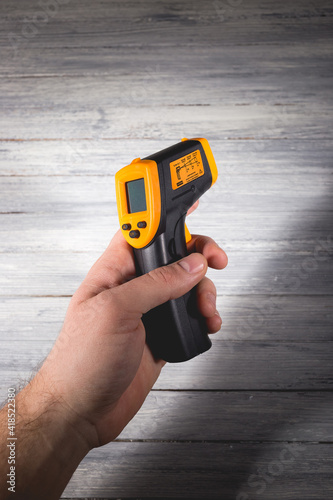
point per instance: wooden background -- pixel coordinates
(86, 87)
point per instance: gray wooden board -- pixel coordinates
(169, 23)
(134, 87)
(205, 470)
(247, 272)
(96, 156)
(229, 365)
(91, 88)
(217, 415)
(298, 318)
(248, 192)
(181, 416)
(302, 121)
(82, 94)
(74, 232)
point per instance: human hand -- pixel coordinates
(100, 367)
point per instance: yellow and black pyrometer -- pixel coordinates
(153, 197)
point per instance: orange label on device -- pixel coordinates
(186, 169)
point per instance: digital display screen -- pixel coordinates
(136, 196)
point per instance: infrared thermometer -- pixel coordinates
(153, 197)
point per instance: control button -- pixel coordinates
(184, 139)
(126, 227)
(134, 234)
(136, 160)
(142, 224)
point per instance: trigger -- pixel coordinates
(188, 235)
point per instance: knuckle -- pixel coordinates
(210, 286)
(162, 275)
(110, 308)
(106, 302)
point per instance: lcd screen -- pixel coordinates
(136, 196)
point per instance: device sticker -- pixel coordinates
(186, 169)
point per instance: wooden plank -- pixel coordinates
(301, 122)
(248, 272)
(35, 319)
(284, 59)
(229, 365)
(104, 157)
(249, 193)
(170, 11)
(213, 85)
(298, 318)
(91, 232)
(220, 416)
(169, 23)
(264, 365)
(205, 470)
(246, 317)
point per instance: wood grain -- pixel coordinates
(229, 365)
(249, 192)
(248, 271)
(121, 122)
(251, 231)
(204, 470)
(153, 26)
(95, 156)
(297, 318)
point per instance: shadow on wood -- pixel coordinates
(244, 471)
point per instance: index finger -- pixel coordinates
(193, 207)
(215, 255)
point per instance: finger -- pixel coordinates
(214, 323)
(206, 297)
(114, 267)
(193, 207)
(160, 285)
(216, 257)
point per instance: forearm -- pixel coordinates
(50, 443)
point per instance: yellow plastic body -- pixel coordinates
(138, 169)
(147, 169)
(213, 168)
(210, 158)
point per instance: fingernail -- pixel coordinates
(217, 314)
(212, 299)
(192, 263)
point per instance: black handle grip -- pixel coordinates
(175, 331)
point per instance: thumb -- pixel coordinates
(162, 284)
